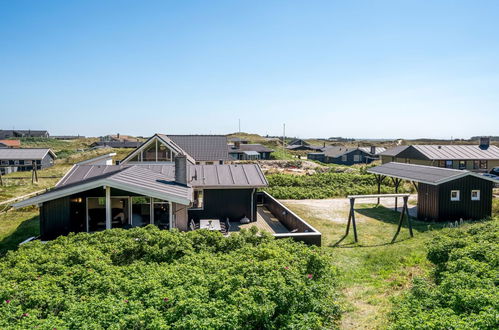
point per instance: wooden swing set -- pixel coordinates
(351, 216)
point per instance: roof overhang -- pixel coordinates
(435, 183)
(63, 192)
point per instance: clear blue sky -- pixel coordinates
(325, 68)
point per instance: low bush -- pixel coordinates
(463, 292)
(148, 278)
(325, 185)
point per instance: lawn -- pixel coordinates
(372, 271)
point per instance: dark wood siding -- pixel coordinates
(465, 208)
(428, 202)
(55, 218)
(226, 203)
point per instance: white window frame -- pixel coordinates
(477, 197)
(356, 158)
(457, 198)
(344, 158)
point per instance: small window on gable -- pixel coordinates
(454, 195)
(198, 202)
(475, 195)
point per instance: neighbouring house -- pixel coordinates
(17, 160)
(116, 144)
(97, 197)
(10, 143)
(199, 149)
(347, 156)
(300, 145)
(444, 194)
(17, 133)
(479, 158)
(248, 151)
(298, 142)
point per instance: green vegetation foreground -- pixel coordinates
(149, 278)
(462, 293)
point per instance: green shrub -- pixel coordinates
(149, 278)
(463, 293)
(325, 185)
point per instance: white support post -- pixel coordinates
(108, 207)
(170, 215)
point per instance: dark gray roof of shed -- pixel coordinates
(203, 147)
(421, 173)
(24, 153)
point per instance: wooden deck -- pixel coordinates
(265, 221)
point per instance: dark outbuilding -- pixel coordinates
(444, 194)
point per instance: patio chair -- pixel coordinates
(193, 225)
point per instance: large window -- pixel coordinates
(119, 212)
(483, 164)
(96, 213)
(141, 211)
(161, 214)
(448, 163)
(462, 164)
(476, 164)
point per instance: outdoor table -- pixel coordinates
(210, 224)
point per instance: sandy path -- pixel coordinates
(336, 209)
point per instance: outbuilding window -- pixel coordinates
(454, 195)
(475, 195)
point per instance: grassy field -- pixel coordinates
(373, 271)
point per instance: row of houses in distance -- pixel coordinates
(482, 157)
(479, 158)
